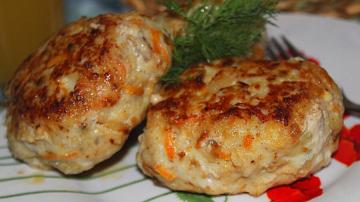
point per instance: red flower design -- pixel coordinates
(303, 190)
(300, 191)
(349, 146)
(311, 59)
(309, 188)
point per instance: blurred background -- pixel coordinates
(26, 24)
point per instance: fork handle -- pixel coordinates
(352, 108)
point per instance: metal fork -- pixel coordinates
(283, 49)
(2, 99)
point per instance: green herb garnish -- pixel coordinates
(216, 30)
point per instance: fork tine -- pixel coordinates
(270, 53)
(293, 51)
(349, 105)
(275, 51)
(283, 54)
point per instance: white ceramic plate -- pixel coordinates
(335, 43)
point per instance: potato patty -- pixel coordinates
(241, 126)
(74, 101)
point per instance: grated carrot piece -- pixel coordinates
(134, 90)
(169, 145)
(216, 149)
(57, 157)
(56, 60)
(165, 173)
(71, 155)
(155, 38)
(222, 155)
(201, 139)
(138, 22)
(247, 141)
(192, 119)
(121, 71)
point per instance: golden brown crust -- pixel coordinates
(237, 126)
(73, 102)
(81, 49)
(278, 105)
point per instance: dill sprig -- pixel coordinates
(215, 30)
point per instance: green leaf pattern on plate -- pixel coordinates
(190, 197)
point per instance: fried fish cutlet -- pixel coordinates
(237, 126)
(73, 102)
